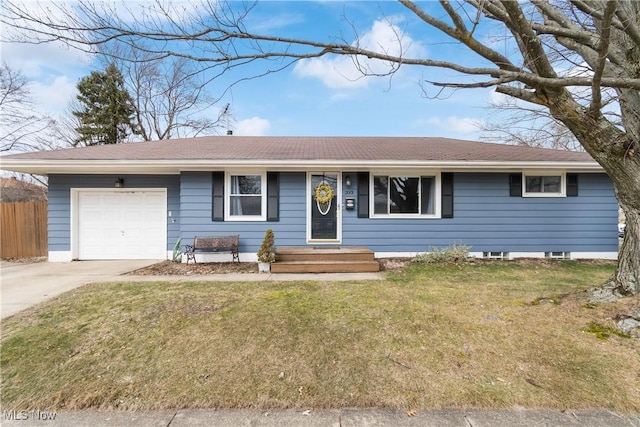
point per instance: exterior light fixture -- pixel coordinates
(347, 181)
(119, 183)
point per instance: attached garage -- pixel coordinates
(120, 224)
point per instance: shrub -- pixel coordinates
(267, 251)
(177, 254)
(452, 253)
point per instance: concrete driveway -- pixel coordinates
(25, 285)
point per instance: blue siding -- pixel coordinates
(486, 218)
(195, 205)
(60, 202)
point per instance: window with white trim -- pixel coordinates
(246, 197)
(543, 185)
(404, 196)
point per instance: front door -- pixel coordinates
(324, 207)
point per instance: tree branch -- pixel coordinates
(523, 94)
(532, 50)
(633, 31)
(461, 35)
(603, 47)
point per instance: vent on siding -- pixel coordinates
(557, 255)
(495, 255)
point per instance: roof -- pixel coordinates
(294, 153)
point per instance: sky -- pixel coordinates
(318, 97)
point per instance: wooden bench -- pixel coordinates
(213, 244)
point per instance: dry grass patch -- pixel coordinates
(428, 337)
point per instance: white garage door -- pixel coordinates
(122, 224)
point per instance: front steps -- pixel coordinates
(325, 260)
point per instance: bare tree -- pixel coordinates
(64, 128)
(577, 59)
(20, 126)
(512, 123)
(169, 94)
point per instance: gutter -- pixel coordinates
(173, 167)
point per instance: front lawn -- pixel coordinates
(491, 335)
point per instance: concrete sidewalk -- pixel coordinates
(325, 418)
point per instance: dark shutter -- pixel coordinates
(217, 199)
(515, 185)
(363, 195)
(572, 185)
(425, 193)
(447, 194)
(273, 196)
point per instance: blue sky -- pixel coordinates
(318, 97)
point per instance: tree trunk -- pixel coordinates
(618, 153)
(626, 280)
(624, 171)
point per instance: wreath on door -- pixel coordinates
(324, 193)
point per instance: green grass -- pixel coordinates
(430, 336)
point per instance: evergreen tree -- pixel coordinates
(107, 108)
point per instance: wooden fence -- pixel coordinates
(23, 229)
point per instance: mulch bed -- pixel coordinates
(165, 268)
(182, 269)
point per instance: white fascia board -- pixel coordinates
(172, 167)
(363, 165)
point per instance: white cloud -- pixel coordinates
(335, 72)
(452, 125)
(38, 61)
(52, 69)
(347, 71)
(255, 126)
(53, 98)
(274, 22)
(55, 53)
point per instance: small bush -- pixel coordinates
(267, 252)
(177, 253)
(452, 253)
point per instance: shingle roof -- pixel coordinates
(309, 148)
(303, 150)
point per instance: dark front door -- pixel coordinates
(324, 213)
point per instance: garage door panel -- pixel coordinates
(113, 198)
(93, 216)
(133, 235)
(121, 224)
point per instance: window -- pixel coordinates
(496, 255)
(544, 185)
(408, 196)
(558, 255)
(246, 197)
